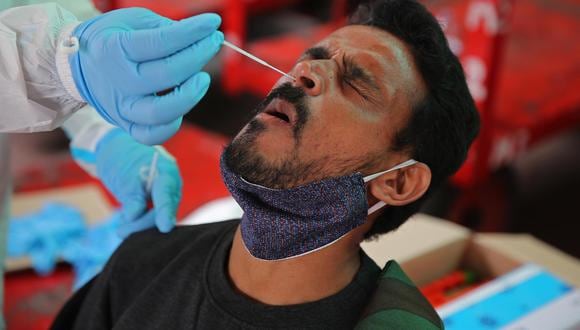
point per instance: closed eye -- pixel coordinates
(352, 74)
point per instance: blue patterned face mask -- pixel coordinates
(287, 223)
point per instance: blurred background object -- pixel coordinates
(522, 62)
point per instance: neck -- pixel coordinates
(298, 280)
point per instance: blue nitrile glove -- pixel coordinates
(123, 166)
(128, 55)
(41, 235)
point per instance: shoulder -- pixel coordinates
(396, 319)
(157, 249)
(134, 266)
(148, 259)
(176, 240)
(144, 255)
(397, 301)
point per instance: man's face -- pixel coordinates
(353, 91)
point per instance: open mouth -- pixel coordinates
(279, 115)
(283, 111)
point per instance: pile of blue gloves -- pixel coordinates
(58, 231)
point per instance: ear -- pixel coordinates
(402, 186)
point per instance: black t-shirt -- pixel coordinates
(179, 281)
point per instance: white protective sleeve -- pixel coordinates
(85, 129)
(37, 92)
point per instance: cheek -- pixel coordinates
(340, 132)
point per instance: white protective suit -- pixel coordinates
(32, 96)
(34, 71)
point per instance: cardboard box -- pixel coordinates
(88, 198)
(428, 248)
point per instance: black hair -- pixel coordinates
(442, 125)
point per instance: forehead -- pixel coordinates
(381, 53)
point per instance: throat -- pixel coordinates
(293, 281)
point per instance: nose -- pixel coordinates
(307, 79)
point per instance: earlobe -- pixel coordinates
(403, 186)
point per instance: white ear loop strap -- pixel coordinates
(381, 204)
(397, 167)
(378, 205)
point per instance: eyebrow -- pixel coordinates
(318, 53)
(355, 70)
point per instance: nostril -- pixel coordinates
(309, 83)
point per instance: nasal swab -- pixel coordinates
(264, 63)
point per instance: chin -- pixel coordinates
(258, 143)
(268, 141)
(273, 145)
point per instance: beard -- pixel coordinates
(244, 159)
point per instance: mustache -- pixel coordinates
(295, 96)
(291, 94)
(288, 93)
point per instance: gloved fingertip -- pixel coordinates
(202, 80)
(196, 88)
(148, 140)
(218, 37)
(211, 20)
(166, 224)
(154, 135)
(201, 25)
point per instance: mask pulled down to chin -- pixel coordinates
(286, 223)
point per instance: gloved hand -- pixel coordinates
(128, 55)
(123, 167)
